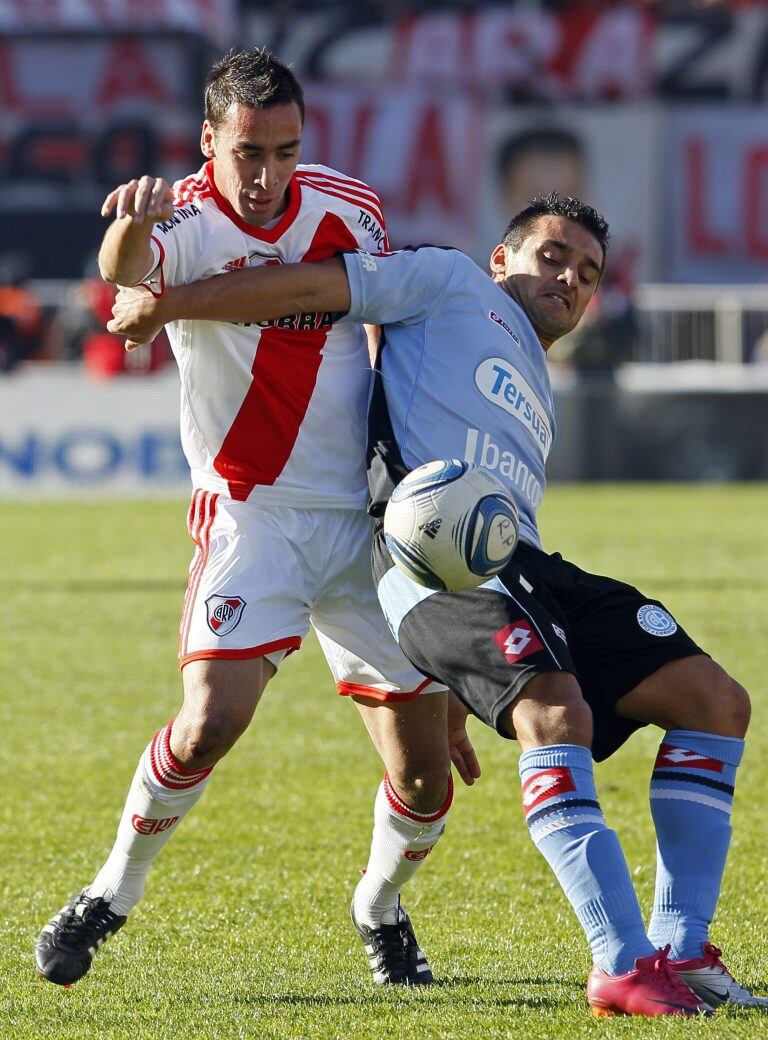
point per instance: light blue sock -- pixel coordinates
(567, 826)
(691, 799)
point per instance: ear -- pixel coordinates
(498, 262)
(207, 145)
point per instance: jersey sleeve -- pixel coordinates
(176, 244)
(404, 286)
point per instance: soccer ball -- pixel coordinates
(450, 525)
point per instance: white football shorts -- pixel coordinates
(262, 574)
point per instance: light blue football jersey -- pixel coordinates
(461, 374)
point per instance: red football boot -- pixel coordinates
(653, 988)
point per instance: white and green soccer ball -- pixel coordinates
(451, 525)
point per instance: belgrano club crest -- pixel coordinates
(224, 613)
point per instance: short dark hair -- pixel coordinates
(255, 79)
(547, 139)
(521, 225)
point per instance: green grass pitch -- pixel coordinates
(244, 929)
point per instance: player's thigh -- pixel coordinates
(485, 644)
(359, 647)
(224, 689)
(619, 638)
(692, 693)
(247, 595)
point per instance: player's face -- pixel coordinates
(553, 275)
(255, 151)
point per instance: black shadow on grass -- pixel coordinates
(323, 1000)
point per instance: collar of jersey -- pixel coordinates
(263, 234)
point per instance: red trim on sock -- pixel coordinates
(166, 768)
(397, 805)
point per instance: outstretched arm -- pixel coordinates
(255, 294)
(125, 256)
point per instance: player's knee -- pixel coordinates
(422, 786)
(729, 705)
(550, 710)
(200, 741)
(716, 703)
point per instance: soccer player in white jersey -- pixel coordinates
(568, 663)
(272, 423)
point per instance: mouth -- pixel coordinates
(258, 203)
(561, 298)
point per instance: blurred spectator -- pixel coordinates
(20, 313)
(80, 333)
(536, 161)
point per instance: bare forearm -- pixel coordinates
(125, 256)
(260, 294)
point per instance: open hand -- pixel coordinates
(462, 753)
(146, 199)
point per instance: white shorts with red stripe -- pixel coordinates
(261, 575)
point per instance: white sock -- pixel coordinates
(161, 794)
(402, 839)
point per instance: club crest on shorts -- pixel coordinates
(224, 613)
(656, 621)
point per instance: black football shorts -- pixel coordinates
(541, 614)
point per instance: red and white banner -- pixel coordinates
(105, 109)
(715, 169)
(419, 150)
(213, 19)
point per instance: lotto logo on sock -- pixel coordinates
(546, 784)
(416, 854)
(143, 825)
(517, 641)
(673, 757)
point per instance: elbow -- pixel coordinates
(107, 270)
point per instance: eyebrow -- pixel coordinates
(564, 245)
(246, 146)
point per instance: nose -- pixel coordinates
(264, 176)
(570, 276)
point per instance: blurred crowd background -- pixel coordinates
(456, 111)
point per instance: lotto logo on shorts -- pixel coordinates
(224, 613)
(517, 640)
(546, 784)
(143, 825)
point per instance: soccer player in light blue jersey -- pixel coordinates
(566, 662)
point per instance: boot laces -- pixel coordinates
(87, 919)
(669, 982)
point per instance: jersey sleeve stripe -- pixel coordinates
(356, 187)
(364, 204)
(322, 184)
(352, 182)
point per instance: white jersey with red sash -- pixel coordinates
(274, 412)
